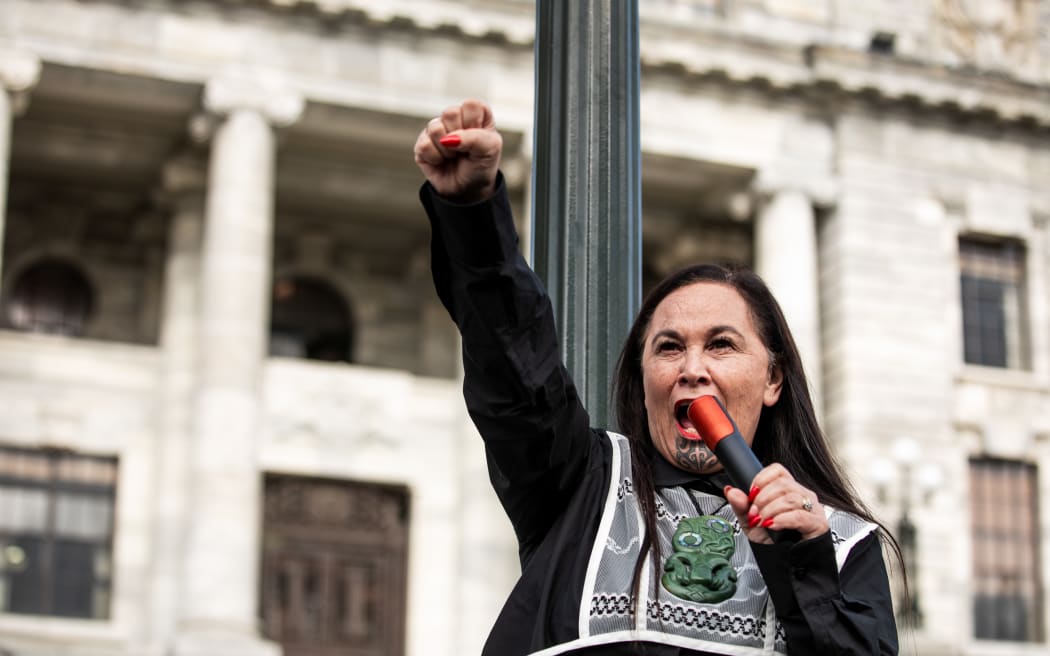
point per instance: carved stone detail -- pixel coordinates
(314, 503)
(989, 32)
(269, 96)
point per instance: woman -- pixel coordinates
(636, 543)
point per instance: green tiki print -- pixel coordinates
(699, 568)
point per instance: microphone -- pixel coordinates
(720, 434)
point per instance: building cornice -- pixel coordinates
(708, 50)
(493, 21)
(928, 87)
(822, 73)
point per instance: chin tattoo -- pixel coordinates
(693, 455)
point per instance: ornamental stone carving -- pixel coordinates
(19, 73)
(318, 503)
(990, 33)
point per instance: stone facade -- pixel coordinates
(185, 154)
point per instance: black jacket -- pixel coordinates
(551, 470)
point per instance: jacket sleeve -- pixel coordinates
(518, 392)
(824, 610)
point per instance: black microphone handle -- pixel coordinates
(738, 460)
(742, 466)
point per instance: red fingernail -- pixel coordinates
(450, 140)
(767, 523)
(753, 493)
(753, 520)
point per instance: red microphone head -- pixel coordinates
(711, 420)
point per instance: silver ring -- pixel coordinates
(807, 505)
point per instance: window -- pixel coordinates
(993, 304)
(309, 319)
(50, 296)
(1008, 597)
(56, 530)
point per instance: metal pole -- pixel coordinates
(907, 535)
(587, 183)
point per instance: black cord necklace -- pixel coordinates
(696, 504)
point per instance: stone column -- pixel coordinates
(219, 608)
(183, 195)
(1038, 297)
(786, 258)
(19, 73)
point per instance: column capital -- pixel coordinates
(19, 73)
(275, 100)
(182, 184)
(822, 190)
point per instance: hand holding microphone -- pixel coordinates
(766, 497)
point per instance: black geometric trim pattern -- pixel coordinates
(663, 513)
(604, 604)
(626, 487)
(709, 619)
(622, 605)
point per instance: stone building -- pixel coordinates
(231, 419)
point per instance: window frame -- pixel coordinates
(80, 296)
(1017, 479)
(1014, 310)
(294, 326)
(49, 479)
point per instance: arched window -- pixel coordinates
(50, 296)
(310, 319)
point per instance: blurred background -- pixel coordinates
(230, 411)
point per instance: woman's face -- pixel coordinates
(701, 340)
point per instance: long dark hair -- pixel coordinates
(787, 432)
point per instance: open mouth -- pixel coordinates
(685, 425)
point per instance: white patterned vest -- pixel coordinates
(743, 624)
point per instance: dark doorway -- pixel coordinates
(334, 566)
(310, 319)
